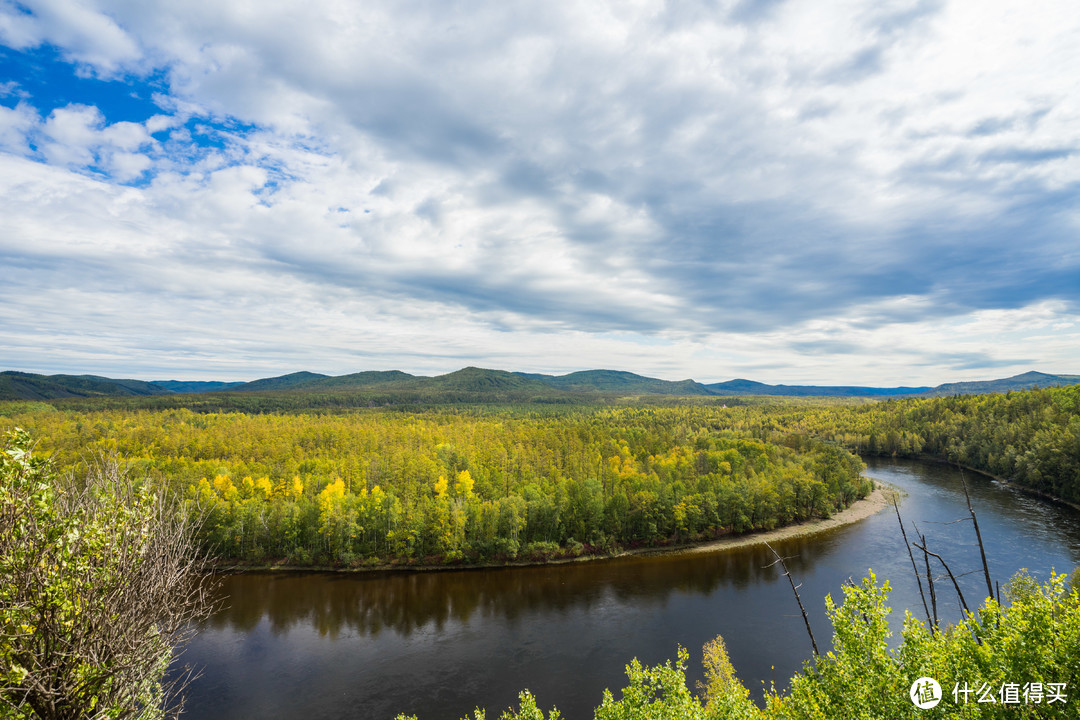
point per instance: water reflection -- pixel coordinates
(370, 603)
(438, 644)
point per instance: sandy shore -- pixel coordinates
(872, 504)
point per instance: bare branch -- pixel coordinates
(103, 569)
(959, 593)
(915, 569)
(795, 590)
(978, 535)
(929, 578)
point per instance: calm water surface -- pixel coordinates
(316, 646)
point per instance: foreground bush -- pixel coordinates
(98, 585)
(1020, 660)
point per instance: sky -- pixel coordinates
(839, 192)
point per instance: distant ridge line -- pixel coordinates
(16, 385)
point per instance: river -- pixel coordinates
(321, 645)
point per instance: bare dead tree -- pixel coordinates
(102, 586)
(915, 569)
(978, 535)
(929, 579)
(956, 585)
(795, 589)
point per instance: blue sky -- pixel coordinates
(871, 193)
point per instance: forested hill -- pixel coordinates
(607, 381)
(1031, 438)
(30, 386)
(1026, 381)
(473, 384)
(292, 381)
(751, 387)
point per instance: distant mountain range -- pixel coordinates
(479, 382)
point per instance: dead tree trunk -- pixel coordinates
(978, 536)
(929, 579)
(914, 567)
(795, 589)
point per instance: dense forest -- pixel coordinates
(450, 485)
(1031, 438)
(325, 484)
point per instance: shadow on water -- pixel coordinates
(403, 603)
(320, 645)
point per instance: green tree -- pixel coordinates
(98, 585)
(656, 693)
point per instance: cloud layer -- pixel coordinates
(861, 193)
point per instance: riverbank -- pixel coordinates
(1003, 480)
(352, 641)
(872, 504)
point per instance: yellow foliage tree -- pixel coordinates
(440, 486)
(259, 488)
(331, 503)
(463, 488)
(294, 489)
(223, 484)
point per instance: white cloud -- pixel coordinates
(78, 137)
(17, 29)
(85, 33)
(16, 124)
(548, 184)
(73, 132)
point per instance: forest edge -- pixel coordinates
(860, 509)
